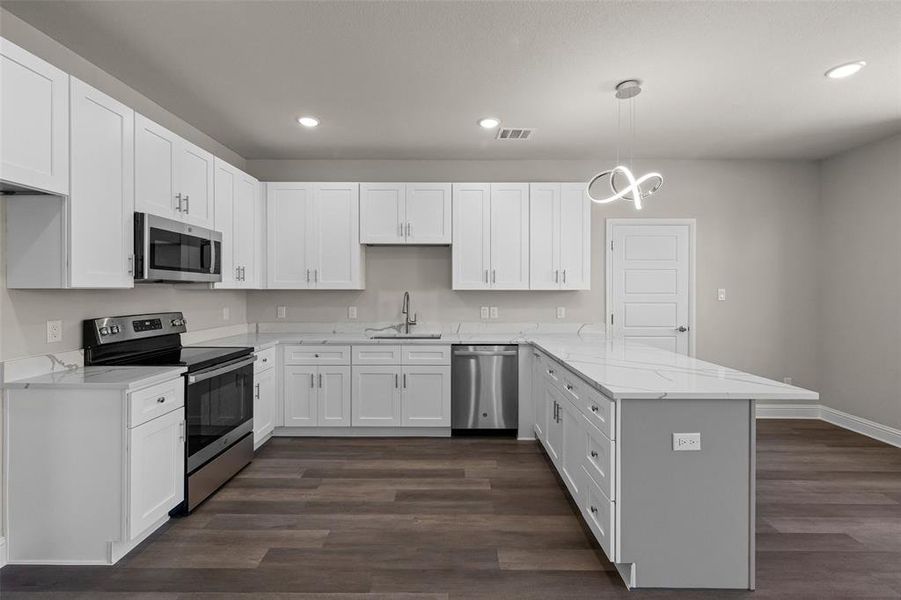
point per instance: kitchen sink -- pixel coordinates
(406, 336)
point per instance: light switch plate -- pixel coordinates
(351, 312)
(561, 312)
(493, 312)
(721, 294)
(54, 331)
(484, 313)
(686, 441)
(281, 312)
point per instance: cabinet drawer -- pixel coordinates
(599, 513)
(375, 355)
(599, 410)
(317, 355)
(152, 402)
(426, 355)
(265, 360)
(599, 460)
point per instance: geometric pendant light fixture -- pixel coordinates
(623, 184)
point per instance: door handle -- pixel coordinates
(320, 381)
(493, 275)
(258, 391)
(400, 230)
(308, 276)
(315, 275)
(681, 328)
(564, 275)
(395, 381)
(405, 381)
(312, 380)
(409, 230)
(556, 276)
(486, 275)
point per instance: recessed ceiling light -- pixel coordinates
(308, 121)
(489, 123)
(845, 70)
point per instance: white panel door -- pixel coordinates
(301, 396)
(553, 438)
(334, 396)
(544, 236)
(194, 181)
(289, 215)
(650, 280)
(34, 121)
(471, 250)
(337, 262)
(101, 205)
(225, 187)
(573, 448)
(426, 396)
(156, 470)
(263, 405)
(155, 149)
(575, 237)
(247, 190)
(538, 399)
(428, 213)
(375, 396)
(510, 236)
(382, 213)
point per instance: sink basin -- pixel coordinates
(406, 336)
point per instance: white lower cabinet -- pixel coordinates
(263, 405)
(376, 396)
(156, 457)
(425, 401)
(334, 396)
(317, 396)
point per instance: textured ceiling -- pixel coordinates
(409, 79)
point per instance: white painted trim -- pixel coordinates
(2, 552)
(871, 429)
(692, 250)
(362, 432)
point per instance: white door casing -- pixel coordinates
(650, 282)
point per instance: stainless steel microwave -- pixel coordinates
(173, 251)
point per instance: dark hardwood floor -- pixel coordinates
(372, 519)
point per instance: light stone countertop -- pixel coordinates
(121, 378)
(619, 370)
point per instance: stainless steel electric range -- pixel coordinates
(218, 392)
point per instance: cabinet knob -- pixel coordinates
(161, 399)
(594, 409)
(594, 510)
(569, 386)
(594, 454)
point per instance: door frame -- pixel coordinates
(692, 269)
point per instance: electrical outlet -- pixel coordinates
(787, 380)
(686, 441)
(721, 294)
(281, 312)
(493, 312)
(561, 312)
(225, 313)
(484, 313)
(351, 312)
(54, 331)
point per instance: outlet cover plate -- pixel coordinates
(686, 442)
(54, 331)
(493, 312)
(483, 312)
(351, 312)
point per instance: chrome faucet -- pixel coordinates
(405, 310)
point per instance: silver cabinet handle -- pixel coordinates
(409, 230)
(405, 381)
(556, 276)
(315, 275)
(181, 431)
(187, 204)
(485, 353)
(594, 454)
(569, 387)
(258, 391)
(178, 206)
(493, 275)
(131, 264)
(237, 273)
(682, 329)
(486, 275)
(395, 381)
(312, 380)
(161, 399)
(594, 511)
(594, 408)
(320, 381)
(400, 230)
(243, 273)
(308, 276)
(564, 275)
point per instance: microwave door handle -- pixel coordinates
(212, 255)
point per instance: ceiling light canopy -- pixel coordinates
(308, 121)
(489, 123)
(846, 70)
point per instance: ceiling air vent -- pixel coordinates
(514, 133)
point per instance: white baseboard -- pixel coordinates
(872, 429)
(2, 552)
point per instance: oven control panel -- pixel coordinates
(119, 329)
(147, 325)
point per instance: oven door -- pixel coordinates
(168, 250)
(218, 409)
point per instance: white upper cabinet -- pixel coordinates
(560, 237)
(34, 121)
(313, 236)
(101, 206)
(173, 177)
(236, 213)
(491, 236)
(405, 213)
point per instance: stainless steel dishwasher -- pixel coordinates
(485, 388)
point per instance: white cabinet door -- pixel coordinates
(289, 215)
(34, 121)
(544, 236)
(301, 396)
(225, 186)
(194, 170)
(509, 236)
(155, 149)
(428, 213)
(101, 204)
(382, 215)
(375, 396)
(575, 237)
(263, 405)
(573, 448)
(259, 241)
(245, 244)
(538, 399)
(337, 260)
(425, 401)
(471, 250)
(156, 470)
(334, 396)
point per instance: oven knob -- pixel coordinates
(104, 331)
(114, 329)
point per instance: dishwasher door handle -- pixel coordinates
(485, 353)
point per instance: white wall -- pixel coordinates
(859, 247)
(756, 237)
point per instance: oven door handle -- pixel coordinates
(204, 375)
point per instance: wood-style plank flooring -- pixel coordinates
(372, 519)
